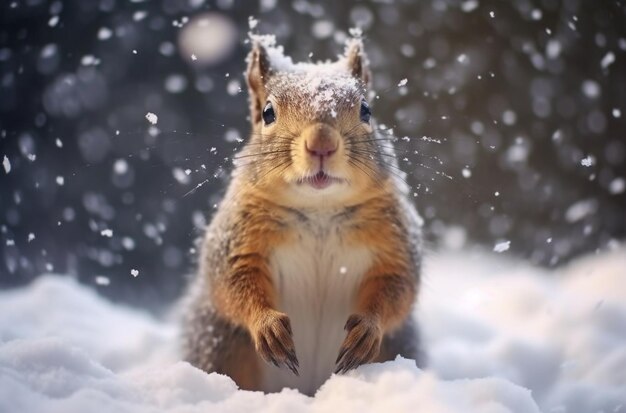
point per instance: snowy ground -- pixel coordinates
(501, 336)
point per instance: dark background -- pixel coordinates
(516, 93)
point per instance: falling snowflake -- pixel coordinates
(7, 164)
(607, 60)
(469, 5)
(252, 22)
(152, 118)
(502, 246)
(588, 161)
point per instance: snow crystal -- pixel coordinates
(175, 83)
(232, 135)
(60, 180)
(588, 161)
(211, 37)
(553, 49)
(466, 172)
(267, 5)
(152, 118)
(607, 60)
(617, 186)
(54, 20)
(180, 175)
(509, 117)
(233, 87)
(343, 270)
(492, 14)
(167, 49)
(591, 89)
(557, 136)
(120, 167)
(355, 32)
(107, 233)
(429, 63)
(31, 237)
(194, 57)
(139, 15)
(323, 29)
(252, 23)
(403, 82)
(49, 50)
(536, 14)
(469, 5)
(128, 243)
(580, 210)
(6, 164)
(616, 113)
(104, 33)
(502, 246)
(58, 143)
(89, 60)
(102, 280)
(462, 58)
(134, 272)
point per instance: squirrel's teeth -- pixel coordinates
(320, 180)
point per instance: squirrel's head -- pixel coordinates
(312, 132)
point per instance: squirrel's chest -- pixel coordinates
(318, 257)
(316, 277)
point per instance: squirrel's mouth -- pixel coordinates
(320, 180)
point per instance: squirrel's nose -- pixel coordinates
(322, 142)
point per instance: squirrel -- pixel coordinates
(311, 263)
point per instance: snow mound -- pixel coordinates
(500, 335)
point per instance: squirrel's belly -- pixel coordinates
(316, 280)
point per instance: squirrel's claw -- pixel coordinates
(362, 343)
(274, 341)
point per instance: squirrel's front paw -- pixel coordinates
(273, 339)
(362, 344)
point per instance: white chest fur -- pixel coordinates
(316, 278)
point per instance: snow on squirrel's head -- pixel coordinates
(311, 127)
(322, 87)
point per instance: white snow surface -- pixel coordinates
(500, 336)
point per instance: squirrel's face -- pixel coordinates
(312, 129)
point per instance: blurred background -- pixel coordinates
(510, 125)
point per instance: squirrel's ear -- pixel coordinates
(257, 75)
(357, 60)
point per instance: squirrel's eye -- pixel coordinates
(366, 113)
(268, 113)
